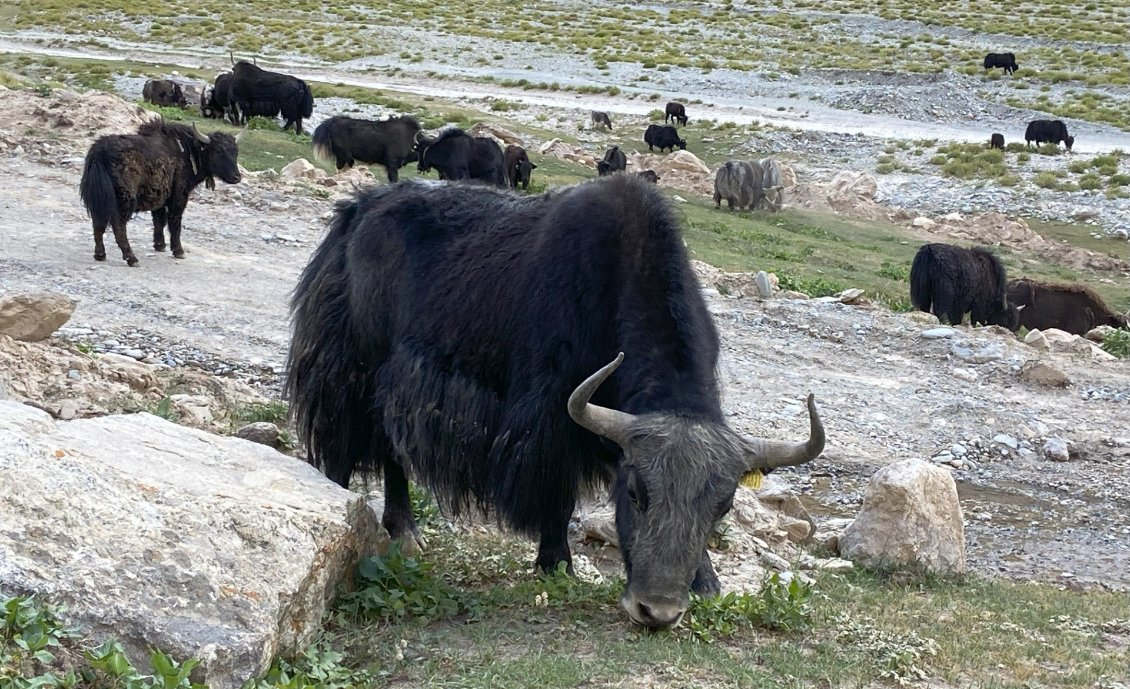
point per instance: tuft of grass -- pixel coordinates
(274, 411)
(779, 606)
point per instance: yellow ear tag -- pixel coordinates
(752, 479)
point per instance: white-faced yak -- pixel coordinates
(950, 281)
(461, 335)
(154, 170)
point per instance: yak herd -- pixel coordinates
(512, 352)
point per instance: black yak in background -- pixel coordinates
(461, 335)
(456, 155)
(389, 143)
(256, 92)
(154, 170)
(950, 281)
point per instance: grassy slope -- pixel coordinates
(867, 628)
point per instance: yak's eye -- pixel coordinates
(637, 493)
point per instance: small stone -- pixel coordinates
(1037, 339)
(965, 374)
(761, 282)
(835, 564)
(262, 432)
(68, 409)
(937, 333)
(1040, 373)
(1002, 439)
(1056, 449)
(134, 354)
(73, 374)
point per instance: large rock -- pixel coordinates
(300, 168)
(503, 136)
(910, 516)
(165, 536)
(34, 316)
(682, 161)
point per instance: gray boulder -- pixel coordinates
(910, 516)
(161, 535)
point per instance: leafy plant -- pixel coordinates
(395, 587)
(317, 667)
(780, 605)
(1117, 342)
(164, 409)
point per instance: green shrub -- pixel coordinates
(1046, 180)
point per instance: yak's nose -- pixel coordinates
(655, 614)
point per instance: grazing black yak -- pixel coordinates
(950, 281)
(461, 335)
(996, 141)
(1006, 61)
(153, 170)
(1071, 308)
(614, 161)
(389, 143)
(601, 119)
(456, 155)
(518, 167)
(675, 112)
(740, 183)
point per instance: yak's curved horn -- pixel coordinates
(200, 136)
(610, 423)
(240, 134)
(232, 56)
(762, 453)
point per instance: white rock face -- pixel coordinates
(166, 536)
(911, 516)
(34, 316)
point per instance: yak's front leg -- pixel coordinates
(553, 548)
(705, 580)
(398, 519)
(175, 212)
(160, 216)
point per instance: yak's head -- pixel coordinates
(1069, 142)
(677, 477)
(220, 153)
(525, 167)
(1006, 314)
(683, 144)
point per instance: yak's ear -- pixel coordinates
(533, 166)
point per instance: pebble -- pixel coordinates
(1008, 440)
(1055, 449)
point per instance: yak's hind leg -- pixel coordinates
(123, 242)
(99, 247)
(160, 216)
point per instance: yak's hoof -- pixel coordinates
(132, 261)
(99, 257)
(158, 247)
(179, 253)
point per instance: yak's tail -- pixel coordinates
(329, 389)
(323, 143)
(920, 292)
(97, 188)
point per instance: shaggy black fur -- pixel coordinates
(951, 281)
(1071, 308)
(153, 170)
(443, 327)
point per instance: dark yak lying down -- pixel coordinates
(950, 281)
(461, 334)
(1071, 308)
